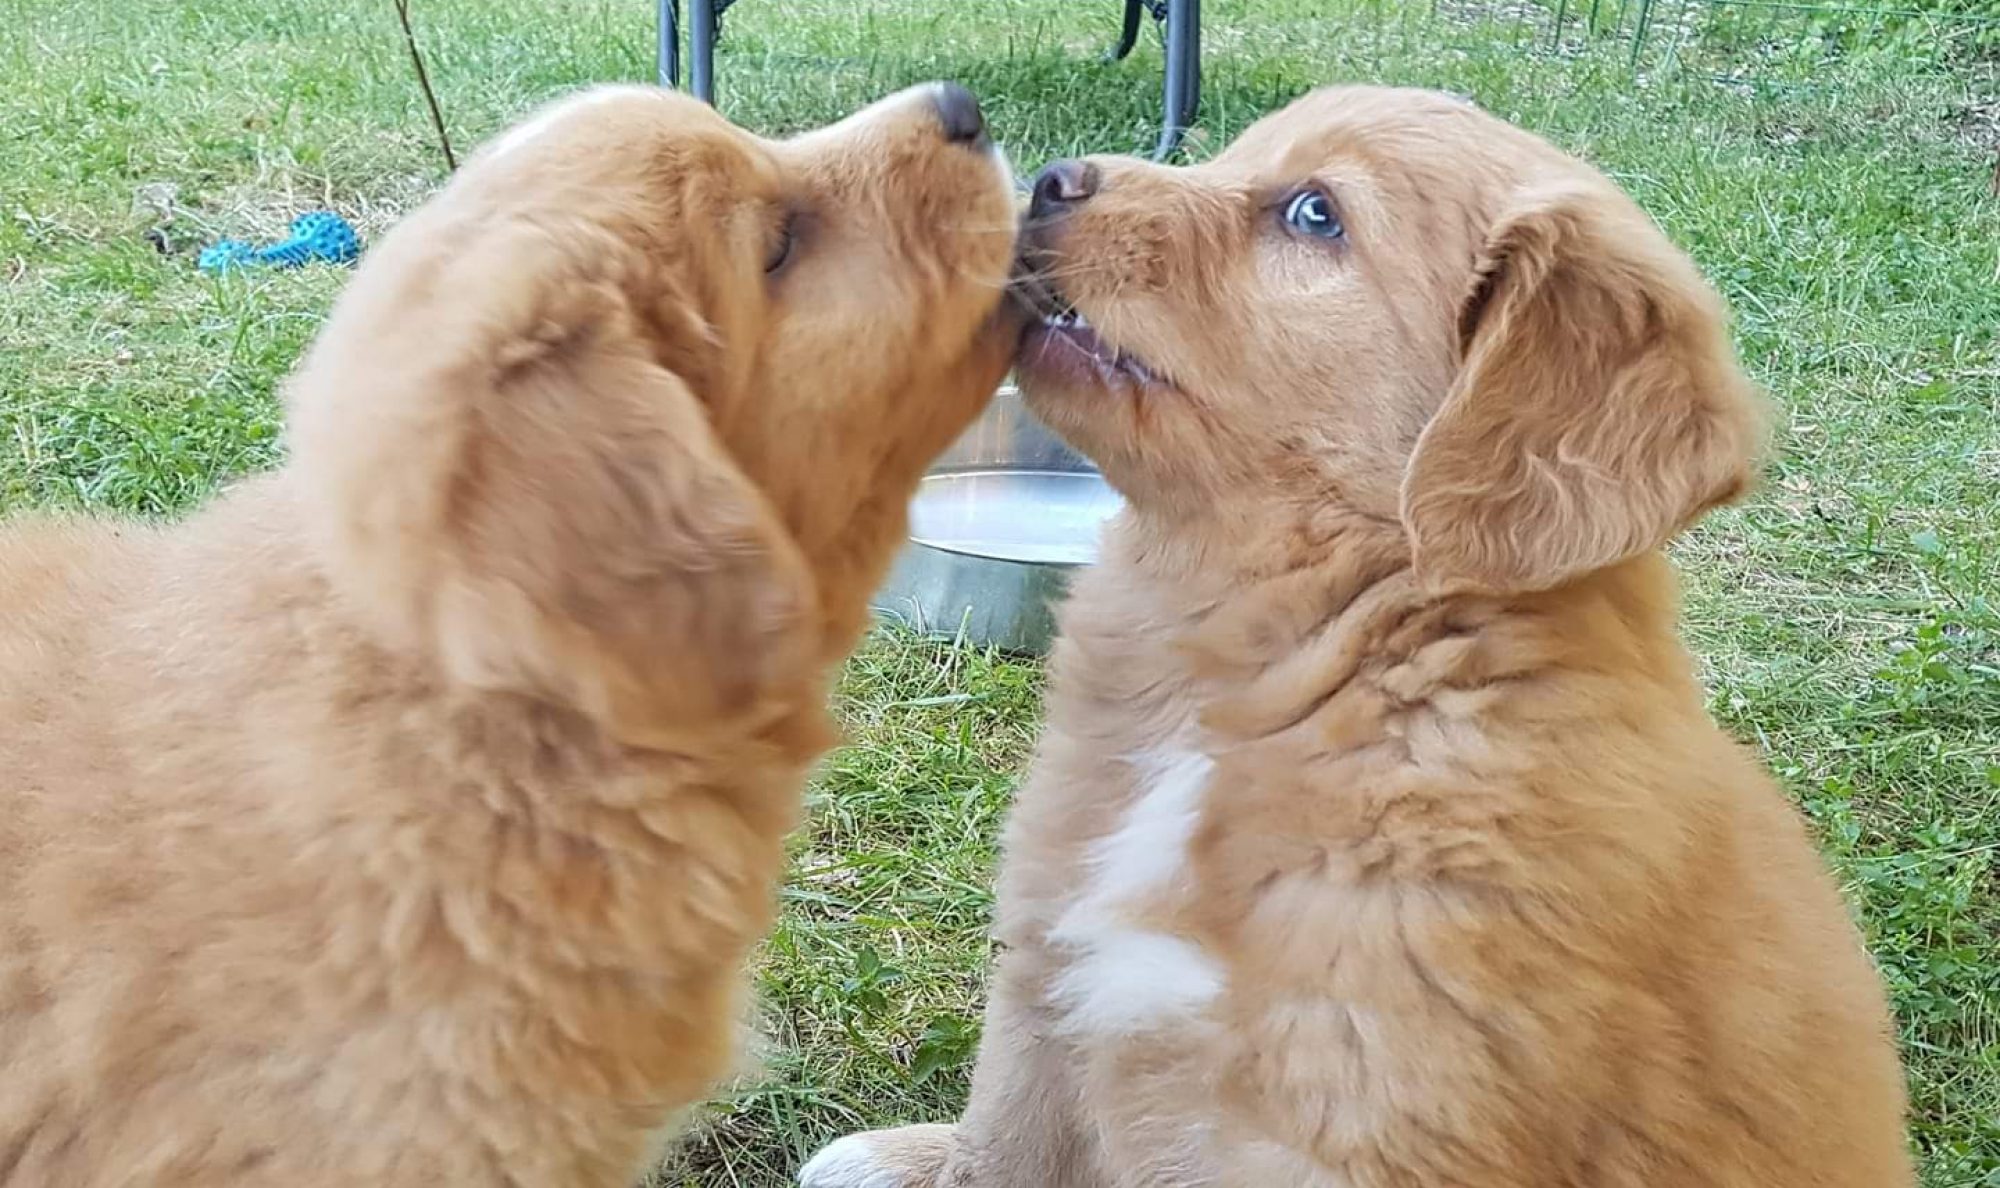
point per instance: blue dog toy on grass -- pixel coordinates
(321, 235)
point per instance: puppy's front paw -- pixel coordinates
(907, 1157)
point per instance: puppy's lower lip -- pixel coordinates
(1067, 338)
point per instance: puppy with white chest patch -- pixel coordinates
(1379, 837)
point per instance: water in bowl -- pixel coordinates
(1037, 516)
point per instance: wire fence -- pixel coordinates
(1750, 43)
(1831, 58)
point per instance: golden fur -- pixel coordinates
(404, 816)
(1379, 837)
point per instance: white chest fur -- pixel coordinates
(1123, 978)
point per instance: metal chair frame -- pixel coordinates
(1180, 21)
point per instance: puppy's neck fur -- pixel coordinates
(1277, 614)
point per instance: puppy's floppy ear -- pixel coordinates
(1598, 410)
(503, 474)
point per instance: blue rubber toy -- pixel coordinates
(320, 235)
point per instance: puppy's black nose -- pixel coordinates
(1061, 185)
(958, 111)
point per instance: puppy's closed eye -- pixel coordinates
(783, 240)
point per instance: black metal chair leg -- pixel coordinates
(669, 60)
(1183, 82)
(1128, 36)
(701, 51)
(1182, 89)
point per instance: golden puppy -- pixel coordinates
(402, 819)
(1378, 837)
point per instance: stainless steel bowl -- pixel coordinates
(996, 529)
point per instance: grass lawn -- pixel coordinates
(1846, 617)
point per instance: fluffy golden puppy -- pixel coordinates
(403, 817)
(1379, 837)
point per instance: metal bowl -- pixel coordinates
(996, 529)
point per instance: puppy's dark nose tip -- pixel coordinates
(958, 111)
(1061, 185)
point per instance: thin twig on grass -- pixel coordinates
(424, 81)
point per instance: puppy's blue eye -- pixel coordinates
(1310, 212)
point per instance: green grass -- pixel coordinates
(1846, 617)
